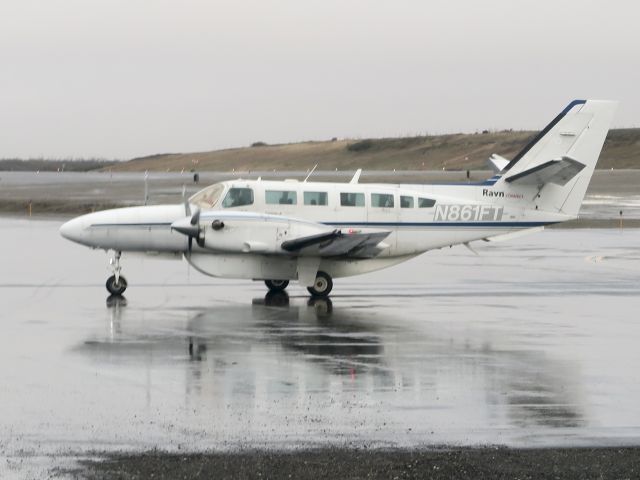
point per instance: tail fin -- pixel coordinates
(557, 165)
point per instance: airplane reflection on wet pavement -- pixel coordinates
(280, 348)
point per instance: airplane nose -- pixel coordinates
(72, 230)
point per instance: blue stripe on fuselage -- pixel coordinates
(144, 225)
(370, 224)
(485, 183)
(438, 224)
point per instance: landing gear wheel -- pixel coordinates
(116, 287)
(276, 285)
(322, 286)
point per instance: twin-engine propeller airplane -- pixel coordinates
(313, 232)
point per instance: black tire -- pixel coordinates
(116, 288)
(276, 285)
(322, 286)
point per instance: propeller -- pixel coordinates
(190, 227)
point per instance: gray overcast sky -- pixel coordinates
(124, 78)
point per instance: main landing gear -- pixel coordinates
(116, 283)
(276, 285)
(320, 288)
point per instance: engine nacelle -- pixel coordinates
(252, 232)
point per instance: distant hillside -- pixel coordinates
(52, 165)
(451, 152)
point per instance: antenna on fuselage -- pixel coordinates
(312, 170)
(185, 201)
(146, 186)
(466, 244)
(356, 177)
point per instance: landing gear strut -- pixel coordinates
(116, 283)
(322, 286)
(276, 285)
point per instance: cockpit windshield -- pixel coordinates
(208, 197)
(238, 197)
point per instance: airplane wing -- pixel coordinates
(553, 171)
(303, 242)
(338, 244)
(249, 232)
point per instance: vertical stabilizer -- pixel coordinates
(555, 168)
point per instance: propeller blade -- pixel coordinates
(196, 217)
(185, 227)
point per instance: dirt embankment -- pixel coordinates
(436, 152)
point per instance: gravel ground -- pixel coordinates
(444, 463)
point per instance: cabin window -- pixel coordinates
(208, 197)
(238, 197)
(315, 198)
(280, 197)
(352, 199)
(406, 202)
(382, 200)
(426, 202)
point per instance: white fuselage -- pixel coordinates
(312, 231)
(258, 216)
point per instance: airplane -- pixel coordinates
(314, 232)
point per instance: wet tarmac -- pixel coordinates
(532, 343)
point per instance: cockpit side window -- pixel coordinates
(208, 198)
(238, 197)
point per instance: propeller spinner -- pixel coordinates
(191, 228)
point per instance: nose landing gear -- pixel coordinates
(116, 283)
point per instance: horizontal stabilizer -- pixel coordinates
(497, 163)
(558, 172)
